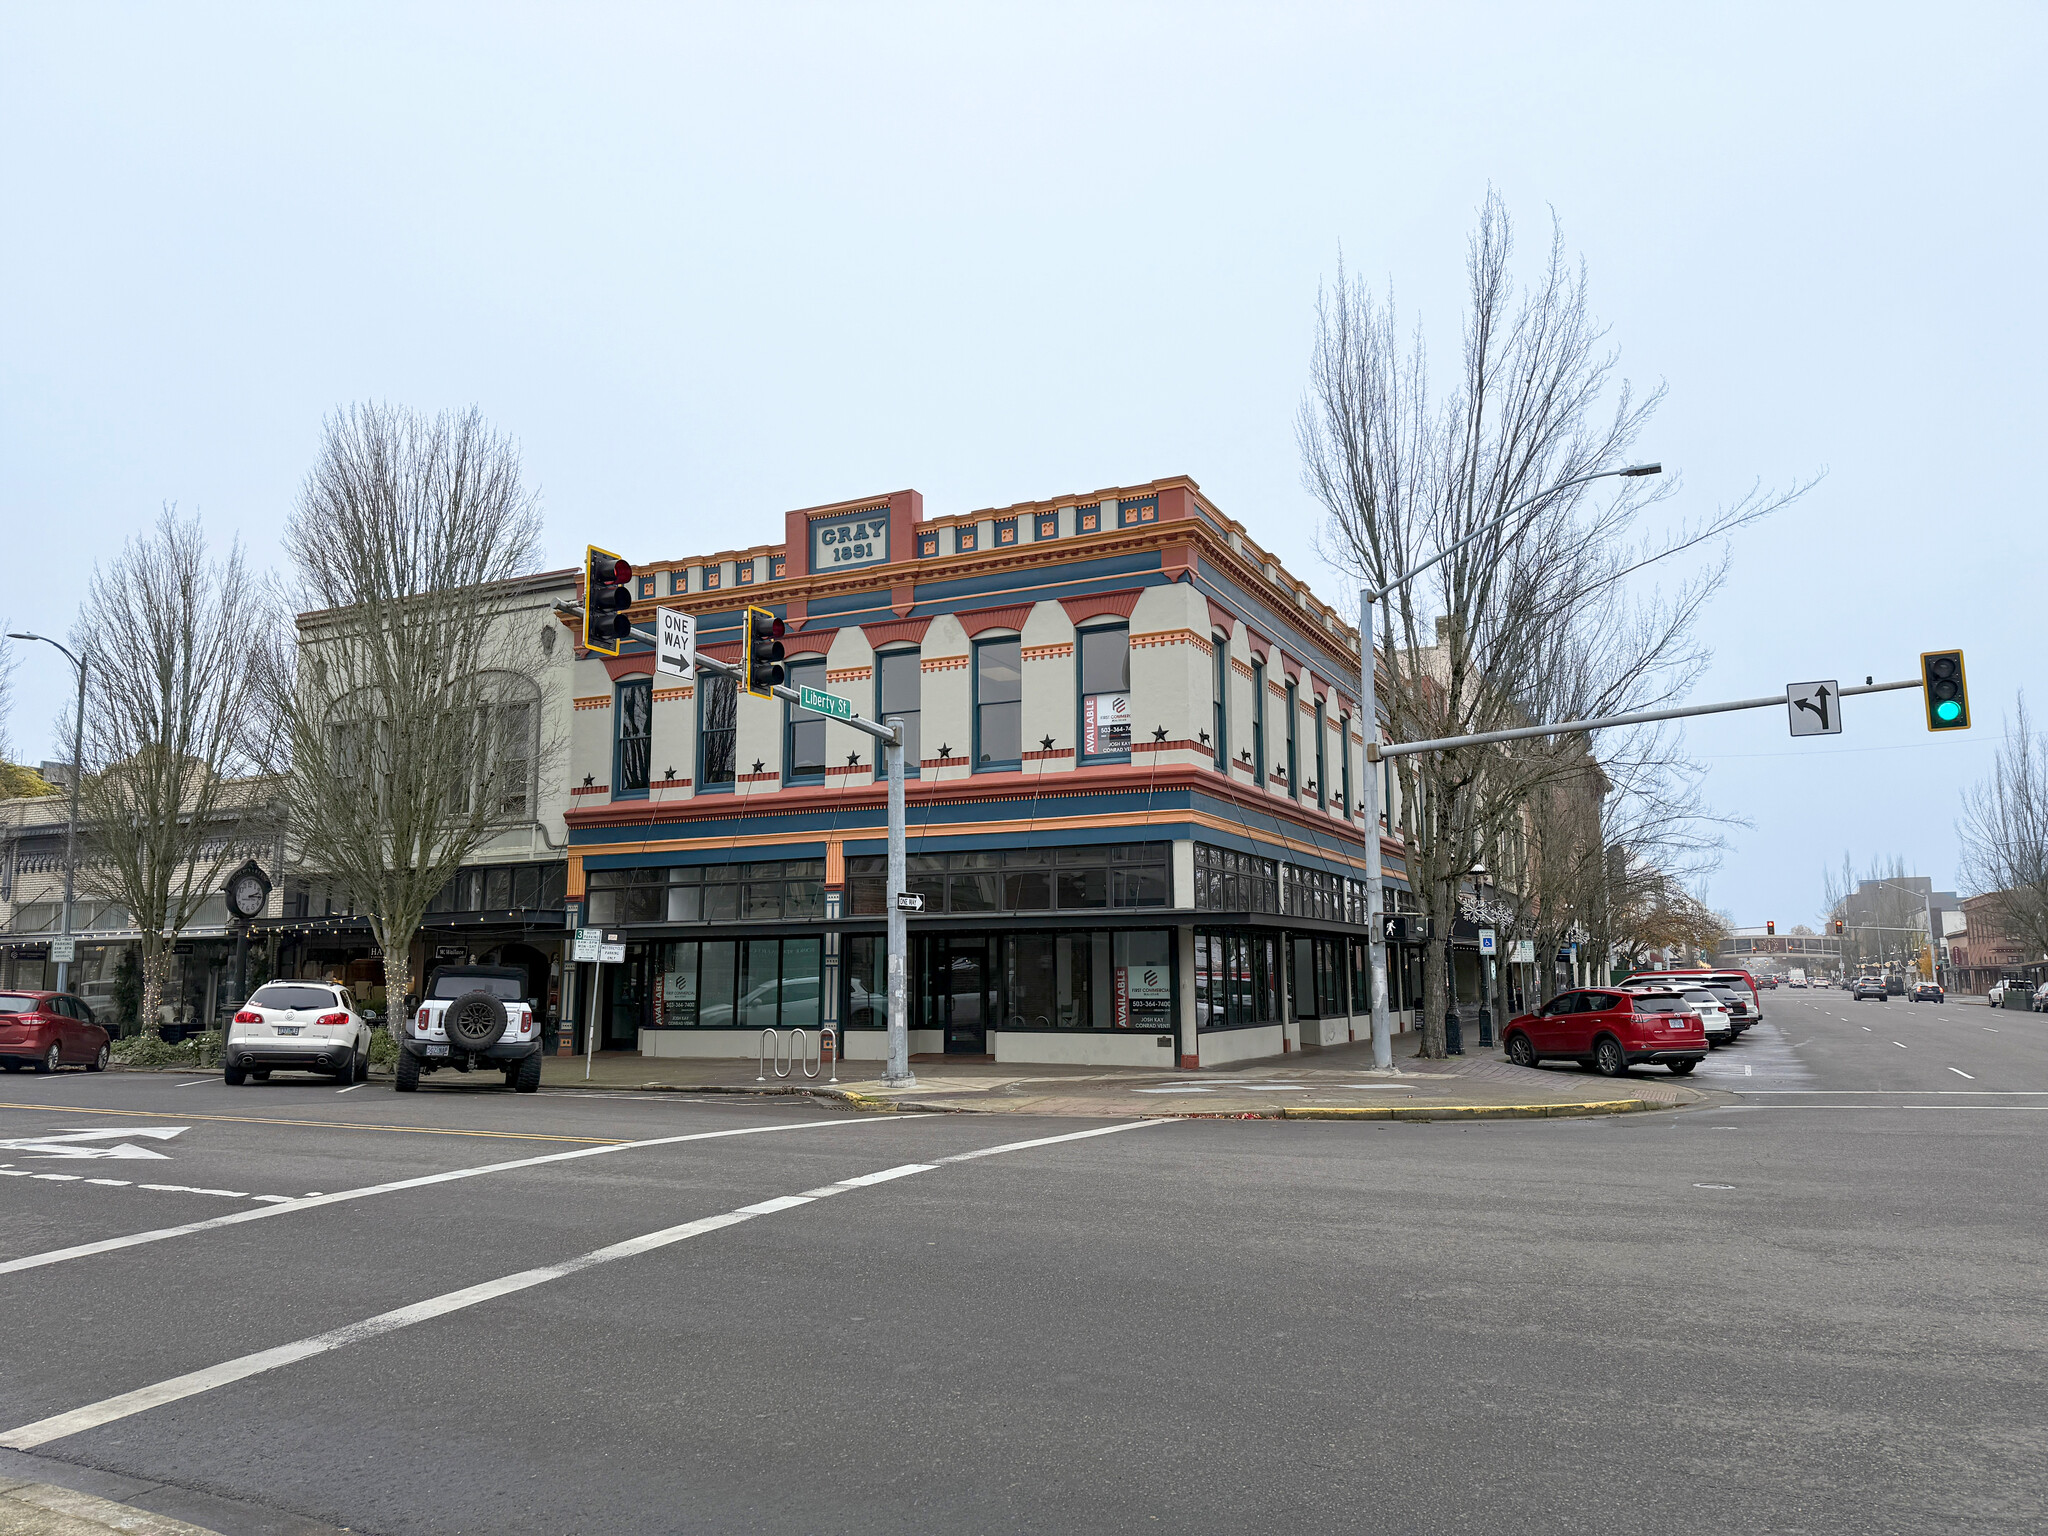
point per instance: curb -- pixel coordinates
(1467, 1111)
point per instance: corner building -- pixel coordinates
(1134, 769)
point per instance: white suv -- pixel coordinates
(305, 1026)
(473, 1016)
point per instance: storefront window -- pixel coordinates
(1321, 973)
(1105, 663)
(1237, 978)
(741, 983)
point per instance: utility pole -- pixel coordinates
(898, 1074)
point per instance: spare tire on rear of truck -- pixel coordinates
(475, 1021)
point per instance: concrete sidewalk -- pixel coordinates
(1334, 1083)
(43, 1509)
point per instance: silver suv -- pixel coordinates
(473, 1016)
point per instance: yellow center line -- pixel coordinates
(321, 1125)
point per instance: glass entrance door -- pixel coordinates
(965, 978)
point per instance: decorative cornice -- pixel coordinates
(941, 663)
(599, 701)
(1057, 652)
(671, 695)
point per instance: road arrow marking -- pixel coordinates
(75, 1144)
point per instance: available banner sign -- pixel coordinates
(1105, 724)
(1144, 997)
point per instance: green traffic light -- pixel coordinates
(1948, 709)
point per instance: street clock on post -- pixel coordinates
(247, 891)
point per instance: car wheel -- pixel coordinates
(1680, 1068)
(528, 1080)
(52, 1060)
(99, 1062)
(362, 1071)
(10, 1066)
(408, 1072)
(1608, 1058)
(234, 1074)
(1520, 1051)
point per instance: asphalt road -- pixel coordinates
(1813, 1306)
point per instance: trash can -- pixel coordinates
(2019, 996)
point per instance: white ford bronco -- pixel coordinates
(473, 1016)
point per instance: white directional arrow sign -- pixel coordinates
(78, 1144)
(1815, 708)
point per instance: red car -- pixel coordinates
(48, 1030)
(1610, 1032)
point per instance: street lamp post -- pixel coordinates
(1382, 1034)
(77, 772)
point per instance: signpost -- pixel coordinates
(64, 949)
(907, 901)
(819, 702)
(675, 643)
(1814, 708)
(586, 945)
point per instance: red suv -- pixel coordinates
(47, 1030)
(1610, 1032)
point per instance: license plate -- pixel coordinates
(437, 1050)
(287, 1029)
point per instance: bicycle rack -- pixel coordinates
(799, 1056)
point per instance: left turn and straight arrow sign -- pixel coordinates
(1815, 709)
(82, 1144)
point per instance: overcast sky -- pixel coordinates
(708, 264)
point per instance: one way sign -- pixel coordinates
(1814, 708)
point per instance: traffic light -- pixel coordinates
(1838, 927)
(607, 594)
(1770, 926)
(1945, 690)
(763, 651)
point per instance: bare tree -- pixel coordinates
(2004, 834)
(173, 719)
(1543, 617)
(415, 713)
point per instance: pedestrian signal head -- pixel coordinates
(763, 647)
(1945, 690)
(607, 594)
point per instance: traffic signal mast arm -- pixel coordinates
(873, 728)
(1375, 752)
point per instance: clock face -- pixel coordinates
(247, 895)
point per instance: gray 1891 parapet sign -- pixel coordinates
(1814, 708)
